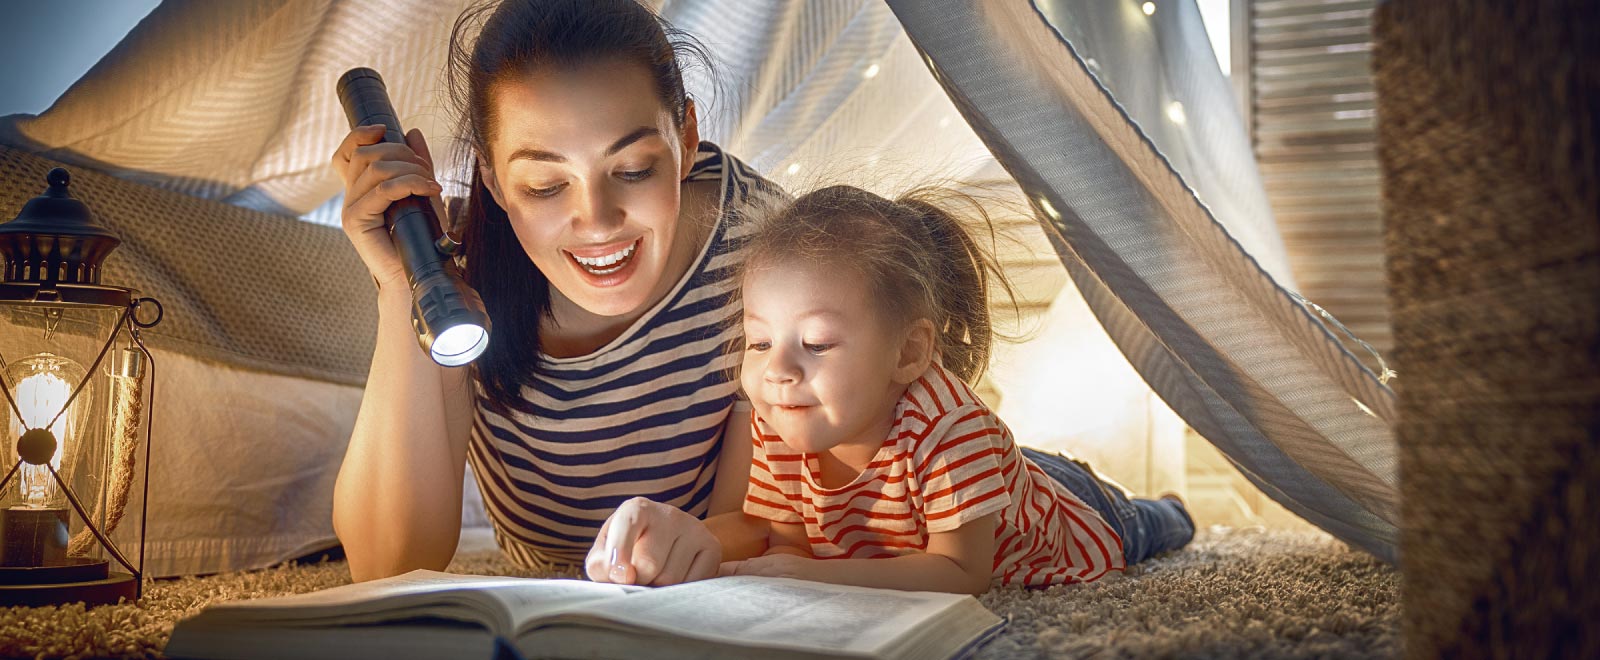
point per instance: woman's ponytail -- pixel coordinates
(516, 294)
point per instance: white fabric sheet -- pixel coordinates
(235, 101)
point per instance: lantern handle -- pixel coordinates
(161, 312)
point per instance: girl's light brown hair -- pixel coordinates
(918, 254)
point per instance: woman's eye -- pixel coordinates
(550, 191)
(817, 348)
(636, 175)
(758, 346)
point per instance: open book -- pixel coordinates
(426, 614)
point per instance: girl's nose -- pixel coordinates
(781, 368)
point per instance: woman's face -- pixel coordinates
(587, 163)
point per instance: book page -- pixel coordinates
(777, 613)
(497, 603)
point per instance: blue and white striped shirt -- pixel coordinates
(642, 416)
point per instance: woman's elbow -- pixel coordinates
(370, 556)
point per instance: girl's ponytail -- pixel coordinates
(962, 273)
(960, 287)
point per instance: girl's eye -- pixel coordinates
(817, 348)
(758, 346)
(551, 191)
(637, 175)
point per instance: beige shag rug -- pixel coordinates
(1231, 593)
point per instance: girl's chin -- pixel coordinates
(805, 444)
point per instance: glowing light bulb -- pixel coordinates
(1049, 209)
(871, 71)
(1149, 8)
(1175, 113)
(43, 385)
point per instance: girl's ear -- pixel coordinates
(916, 352)
(691, 139)
(487, 174)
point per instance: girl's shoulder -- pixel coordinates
(938, 394)
(937, 407)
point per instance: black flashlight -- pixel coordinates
(448, 315)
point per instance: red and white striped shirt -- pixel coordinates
(948, 460)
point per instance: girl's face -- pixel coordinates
(587, 163)
(821, 367)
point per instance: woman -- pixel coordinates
(600, 233)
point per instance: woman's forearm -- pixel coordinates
(397, 501)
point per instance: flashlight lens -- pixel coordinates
(459, 344)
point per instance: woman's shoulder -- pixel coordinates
(743, 190)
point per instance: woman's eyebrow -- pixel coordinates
(549, 156)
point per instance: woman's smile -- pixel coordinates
(605, 265)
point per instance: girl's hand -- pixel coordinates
(645, 542)
(772, 564)
(376, 174)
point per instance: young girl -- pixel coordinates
(865, 320)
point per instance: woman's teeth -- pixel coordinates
(607, 264)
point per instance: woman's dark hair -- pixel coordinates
(918, 254)
(502, 40)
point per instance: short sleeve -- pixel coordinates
(765, 498)
(960, 469)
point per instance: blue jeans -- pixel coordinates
(1147, 527)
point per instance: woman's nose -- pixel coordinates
(598, 216)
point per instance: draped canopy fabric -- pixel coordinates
(1203, 321)
(1118, 127)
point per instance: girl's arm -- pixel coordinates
(958, 561)
(741, 536)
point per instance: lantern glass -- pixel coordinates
(50, 353)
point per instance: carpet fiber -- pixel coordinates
(1232, 593)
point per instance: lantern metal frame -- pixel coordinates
(43, 591)
(53, 252)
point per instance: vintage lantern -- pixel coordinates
(77, 384)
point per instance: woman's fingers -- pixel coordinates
(384, 171)
(376, 174)
(626, 525)
(366, 156)
(704, 566)
(419, 145)
(644, 542)
(366, 211)
(662, 566)
(358, 137)
(596, 564)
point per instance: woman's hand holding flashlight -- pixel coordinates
(377, 174)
